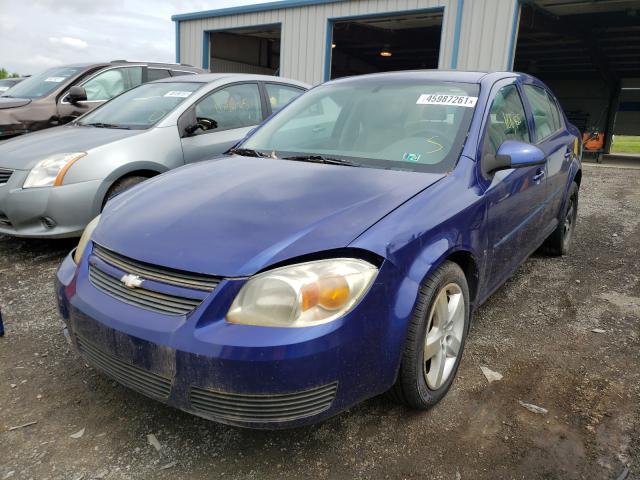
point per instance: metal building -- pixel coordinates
(588, 51)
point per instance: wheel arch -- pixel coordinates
(143, 169)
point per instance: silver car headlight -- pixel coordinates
(84, 239)
(50, 171)
(302, 295)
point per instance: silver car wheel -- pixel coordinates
(445, 329)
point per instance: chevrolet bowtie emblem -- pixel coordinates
(131, 281)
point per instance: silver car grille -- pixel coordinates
(281, 407)
(5, 175)
(144, 297)
(143, 381)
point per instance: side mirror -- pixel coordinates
(77, 94)
(514, 154)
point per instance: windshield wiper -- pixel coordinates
(104, 125)
(249, 152)
(322, 159)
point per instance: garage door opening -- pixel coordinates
(246, 50)
(381, 44)
(586, 52)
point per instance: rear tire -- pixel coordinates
(435, 339)
(559, 242)
(121, 185)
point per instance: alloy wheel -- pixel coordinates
(445, 329)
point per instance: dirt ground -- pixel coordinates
(537, 331)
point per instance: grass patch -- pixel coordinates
(625, 144)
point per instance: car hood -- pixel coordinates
(237, 215)
(23, 152)
(8, 102)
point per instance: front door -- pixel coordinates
(222, 119)
(100, 87)
(515, 197)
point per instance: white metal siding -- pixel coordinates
(483, 44)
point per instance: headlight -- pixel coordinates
(302, 295)
(50, 171)
(84, 239)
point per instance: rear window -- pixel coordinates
(44, 83)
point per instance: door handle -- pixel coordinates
(538, 176)
(568, 154)
(317, 129)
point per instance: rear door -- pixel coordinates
(218, 120)
(100, 87)
(514, 197)
(554, 139)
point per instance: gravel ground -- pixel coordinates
(537, 331)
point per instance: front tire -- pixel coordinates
(435, 339)
(559, 242)
(121, 185)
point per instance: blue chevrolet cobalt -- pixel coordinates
(336, 253)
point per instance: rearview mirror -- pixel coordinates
(77, 94)
(514, 154)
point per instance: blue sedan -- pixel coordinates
(336, 253)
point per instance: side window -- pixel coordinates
(112, 82)
(235, 106)
(555, 112)
(545, 116)
(156, 74)
(179, 73)
(507, 120)
(280, 95)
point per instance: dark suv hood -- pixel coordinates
(7, 102)
(237, 215)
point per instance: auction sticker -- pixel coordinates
(55, 79)
(442, 99)
(177, 93)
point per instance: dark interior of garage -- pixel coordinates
(588, 52)
(382, 44)
(247, 50)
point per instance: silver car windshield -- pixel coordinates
(141, 107)
(398, 124)
(42, 84)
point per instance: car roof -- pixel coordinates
(86, 65)
(214, 77)
(442, 75)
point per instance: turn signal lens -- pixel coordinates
(302, 295)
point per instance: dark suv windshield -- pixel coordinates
(44, 83)
(140, 107)
(376, 122)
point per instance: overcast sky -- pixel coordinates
(37, 34)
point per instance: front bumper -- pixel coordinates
(248, 376)
(46, 212)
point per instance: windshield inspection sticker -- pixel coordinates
(441, 99)
(55, 79)
(177, 93)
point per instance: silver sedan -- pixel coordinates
(53, 182)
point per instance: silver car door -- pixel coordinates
(218, 120)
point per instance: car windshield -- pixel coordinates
(141, 107)
(405, 125)
(42, 84)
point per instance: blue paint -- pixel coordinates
(456, 35)
(236, 216)
(514, 34)
(259, 7)
(206, 42)
(333, 20)
(177, 24)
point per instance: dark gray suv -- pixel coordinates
(60, 94)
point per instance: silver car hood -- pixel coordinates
(23, 152)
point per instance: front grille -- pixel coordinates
(262, 408)
(141, 297)
(5, 175)
(154, 272)
(141, 380)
